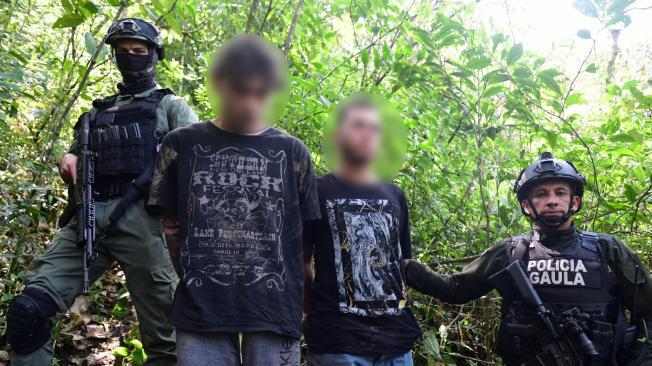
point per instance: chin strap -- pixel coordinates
(534, 216)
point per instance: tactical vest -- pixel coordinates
(573, 277)
(124, 142)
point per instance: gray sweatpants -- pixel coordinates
(236, 349)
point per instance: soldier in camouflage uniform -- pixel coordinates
(570, 269)
(125, 130)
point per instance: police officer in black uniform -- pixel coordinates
(125, 130)
(570, 269)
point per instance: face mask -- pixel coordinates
(131, 62)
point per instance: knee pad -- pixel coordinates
(29, 323)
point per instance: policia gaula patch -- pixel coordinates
(566, 272)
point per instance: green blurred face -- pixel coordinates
(359, 134)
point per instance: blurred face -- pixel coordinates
(131, 46)
(245, 102)
(358, 135)
(551, 199)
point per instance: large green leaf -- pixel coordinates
(90, 43)
(478, 63)
(431, 345)
(514, 53)
(586, 7)
(68, 20)
(550, 82)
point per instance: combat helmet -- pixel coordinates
(549, 168)
(138, 29)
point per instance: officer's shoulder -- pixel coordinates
(511, 241)
(101, 103)
(605, 240)
(502, 245)
(172, 99)
(506, 245)
(608, 241)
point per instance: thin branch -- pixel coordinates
(356, 54)
(84, 79)
(251, 15)
(638, 204)
(264, 22)
(295, 18)
(174, 4)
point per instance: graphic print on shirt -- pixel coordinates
(234, 229)
(367, 252)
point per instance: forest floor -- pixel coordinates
(98, 324)
(95, 326)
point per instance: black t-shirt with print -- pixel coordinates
(241, 201)
(358, 302)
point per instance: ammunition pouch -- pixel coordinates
(603, 336)
(123, 141)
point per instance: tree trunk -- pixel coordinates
(615, 51)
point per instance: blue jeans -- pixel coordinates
(344, 359)
(233, 349)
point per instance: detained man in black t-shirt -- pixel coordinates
(235, 194)
(356, 307)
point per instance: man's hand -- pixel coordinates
(68, 168)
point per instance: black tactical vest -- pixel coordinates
(124, 141)
(573, 277)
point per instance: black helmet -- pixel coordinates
(138, 29)
(549, 168)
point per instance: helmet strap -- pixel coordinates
(539, 219)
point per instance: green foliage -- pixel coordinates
(478, 105)
(132, 353)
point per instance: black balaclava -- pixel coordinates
(137, 71)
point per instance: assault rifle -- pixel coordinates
(563, 338)
(83, 191)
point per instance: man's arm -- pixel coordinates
(309, 241)
(170, 220)
(68, 162)
(462, 287)
(308, 277)
(306, 183)
(405, 236)
(178, 112)
(635, 290)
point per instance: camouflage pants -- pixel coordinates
(138, 245)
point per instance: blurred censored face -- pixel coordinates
(358, 135)
(551, 199)
(244, 101)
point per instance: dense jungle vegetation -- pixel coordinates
(479, 102)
